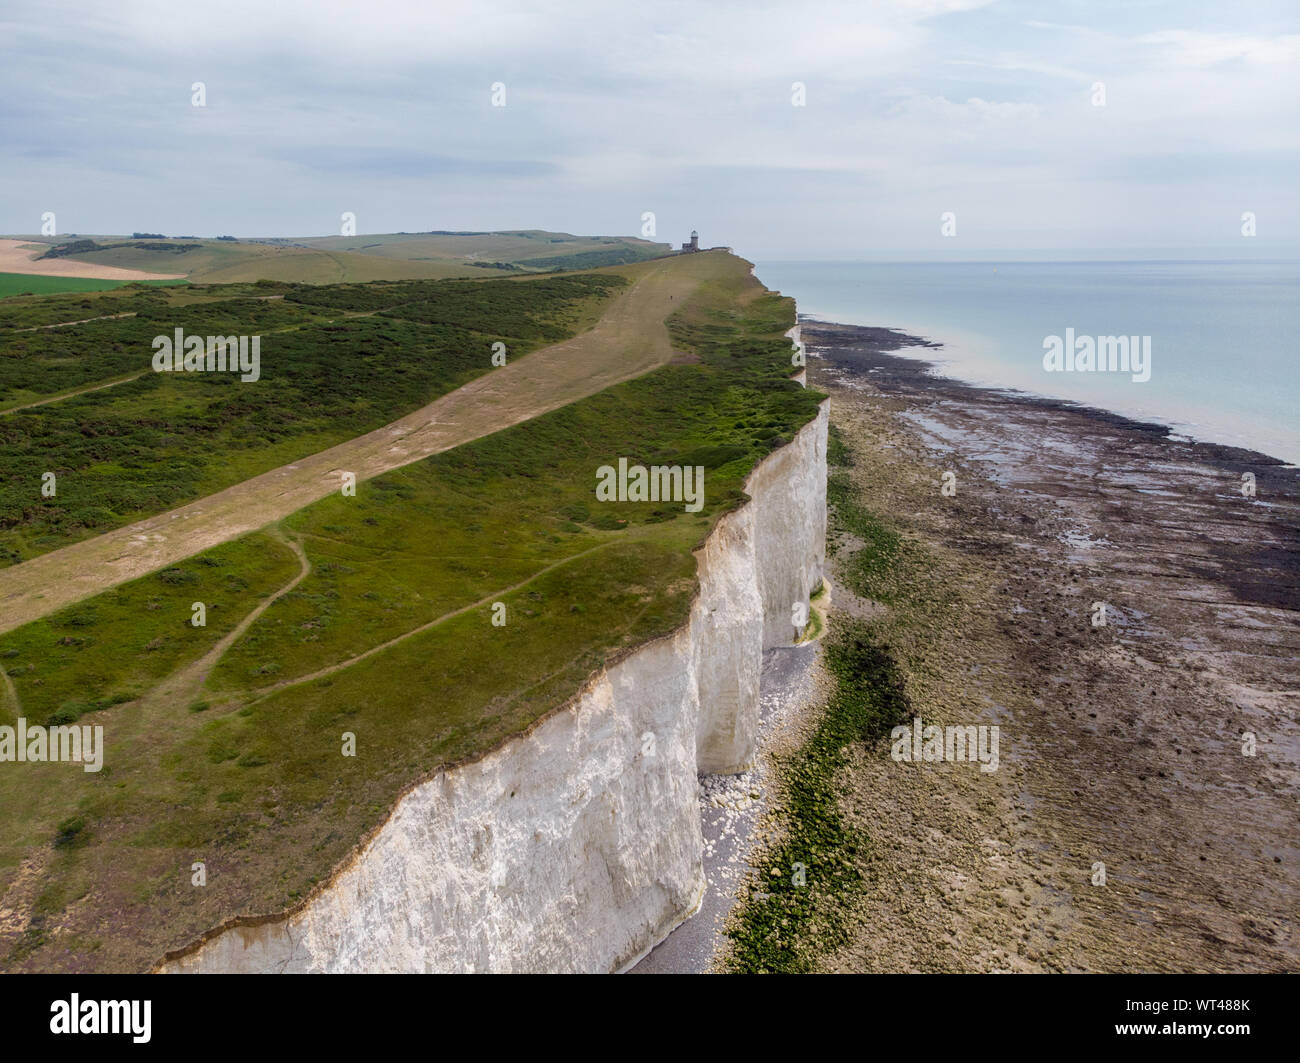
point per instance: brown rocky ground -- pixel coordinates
(1120, 744)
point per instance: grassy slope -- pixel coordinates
(630, 338)
(340, 259)
(209, 255)
(149, 444)
(26, 312)
(255, 785)
(221, 262)
(488, 247)
(300, 265)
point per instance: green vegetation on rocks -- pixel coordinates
(793, 915)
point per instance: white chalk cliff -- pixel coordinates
(577, 845)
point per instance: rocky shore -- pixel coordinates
(1124, 606)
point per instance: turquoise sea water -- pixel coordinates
(1225, 336)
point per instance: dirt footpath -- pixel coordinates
(630, 339)
(1128, 827)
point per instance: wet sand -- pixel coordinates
(1124, 744)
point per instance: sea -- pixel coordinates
(1224, 335)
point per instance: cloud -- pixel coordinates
(913, 108)
(1198, 49)
(400, 163)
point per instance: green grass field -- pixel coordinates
(232, 756)
(34, 284)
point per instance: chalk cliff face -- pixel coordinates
(575, 846)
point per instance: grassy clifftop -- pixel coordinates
(335, 362)
(371, 615)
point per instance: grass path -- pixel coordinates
(110, 317)
(81, 321)
(86, 390)
(186, 684)
(321, 673)
(630, 339)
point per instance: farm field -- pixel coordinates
(40, 284)
(29, 257)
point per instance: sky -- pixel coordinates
(1063, 128)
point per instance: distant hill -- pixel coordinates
(335, 259)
